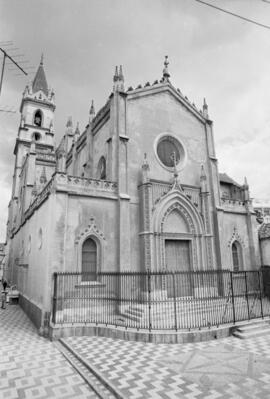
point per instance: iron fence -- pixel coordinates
(160, 300)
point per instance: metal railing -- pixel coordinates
(160, 300)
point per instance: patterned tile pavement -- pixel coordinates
(31, 366)
(228, 369)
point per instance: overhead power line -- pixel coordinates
(12, 60)
(235, 15)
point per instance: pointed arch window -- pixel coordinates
(38, 118)
(89, 260)
(237, 256)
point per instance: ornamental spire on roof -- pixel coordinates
(92, 112)
(40, 81)
(205, 109)
(166, 74)
(118, 79)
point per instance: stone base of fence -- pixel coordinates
(158, 337)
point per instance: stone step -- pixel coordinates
(135, 312)
(131, 317)
(255, 329)
(253, 326)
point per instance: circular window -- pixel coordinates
(36, 136)
(170, 152)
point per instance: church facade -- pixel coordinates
(139, 189)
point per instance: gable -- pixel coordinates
(158, 89)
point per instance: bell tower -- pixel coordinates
(34, 149)
(37, 111)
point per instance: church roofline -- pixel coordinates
(158, 87)
(224, 178)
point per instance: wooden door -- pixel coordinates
(178, 260)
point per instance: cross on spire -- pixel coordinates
(166, 74)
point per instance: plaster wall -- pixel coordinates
(29, 256)
(73, 224)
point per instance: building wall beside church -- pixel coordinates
(29, 260)
(234, 227)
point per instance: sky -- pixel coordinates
(211, 55)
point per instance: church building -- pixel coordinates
(139, 189)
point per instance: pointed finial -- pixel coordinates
(203, 181)
(92, 112)
(69, 122)
(166, 74)
(121, 76)
(43, 178)
(245, 182)
(92, 108)
(205, 109)
(145, 169)
(203, 174)
(116, 77)
(145, 165)
(42, 59)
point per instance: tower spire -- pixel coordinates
(40, 81)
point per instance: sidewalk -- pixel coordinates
(229, 368)
(31, 366)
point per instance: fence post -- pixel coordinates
(232, 298)
(174, 301)
(247, 294)
(259, 279)
(54, 307)
(149, 297)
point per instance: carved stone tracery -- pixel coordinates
(90, 230)
(236, 237)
